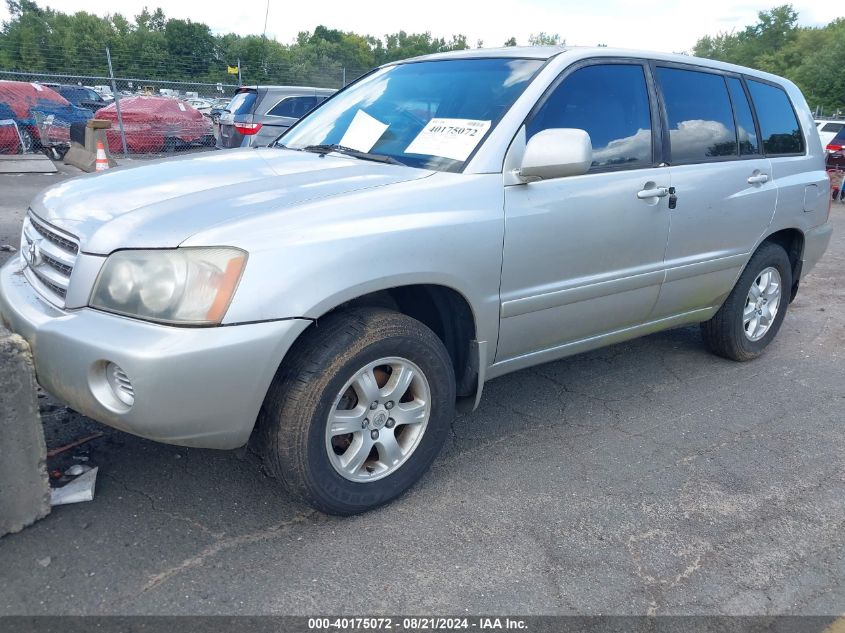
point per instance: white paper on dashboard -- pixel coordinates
(363, 132)
(449, 138)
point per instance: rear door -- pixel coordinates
(237, 118)
(723, 188)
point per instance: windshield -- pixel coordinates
(423, 114)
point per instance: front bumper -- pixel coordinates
(198, 387)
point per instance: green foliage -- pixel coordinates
(153, 46)
(814, 58)
(545, 39)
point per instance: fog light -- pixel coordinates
(120, 384)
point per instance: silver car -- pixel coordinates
(256, 115)
(438, 223)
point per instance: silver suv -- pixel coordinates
(440, 222)
(256, 115)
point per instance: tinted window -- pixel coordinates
(744, 119)
(293, 106)
(609, 102)
(778, 125)
(839, 139)
(242, 103)
(832, 127)
(701, 123)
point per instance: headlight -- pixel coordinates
(192, 286)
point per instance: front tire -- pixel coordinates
(359, 410)
(752, 314)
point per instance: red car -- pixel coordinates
(38, 111)
(156, 124)
(836, 151)
(10, 142)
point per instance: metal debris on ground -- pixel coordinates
(74, 444)
(8, 248)
(78, 490)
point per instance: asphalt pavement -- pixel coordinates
(648, 477)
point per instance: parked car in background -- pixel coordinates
(31, 104)
(218, 107)
(836, 150)
(10, 140)
(256, 115)
(439, 223)
(201, 105)
(104, 91)
(81, 96)
(157, 124)
(828, 128)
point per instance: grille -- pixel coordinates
(50, 256)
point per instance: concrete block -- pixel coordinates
(24, 485)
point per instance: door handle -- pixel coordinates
(758, 179)
(656, 192)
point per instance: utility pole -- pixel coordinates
(117, 105)
(240, 83)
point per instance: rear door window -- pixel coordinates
(745, 131)
(778, 123)
(608, 101)
(699, 115)
(242, 103)
(832, 127)
(293, 107)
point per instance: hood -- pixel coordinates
(161, 204)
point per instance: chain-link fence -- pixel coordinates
(150, 115)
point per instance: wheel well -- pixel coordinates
(442, 309)
(792, 241)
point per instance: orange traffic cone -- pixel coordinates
(102, 163)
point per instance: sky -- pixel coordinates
(659, 25)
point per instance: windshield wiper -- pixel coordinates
(348, 151)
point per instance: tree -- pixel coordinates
(811, 57)
(545, 39)
(510, 42)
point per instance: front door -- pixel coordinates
(583, 255)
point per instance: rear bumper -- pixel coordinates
(198, 387)
(816, 241)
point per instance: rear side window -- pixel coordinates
(294, 107)
(778, 124)
(608, 101)
(701, 122)
(242, 103)
(832, 127)
(745, 131)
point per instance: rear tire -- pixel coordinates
(323, 385)
(742, 329)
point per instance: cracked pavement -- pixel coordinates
(648, 477)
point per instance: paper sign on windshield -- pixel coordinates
(363, 132)
(450, 138)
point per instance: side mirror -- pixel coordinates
(556, 153)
